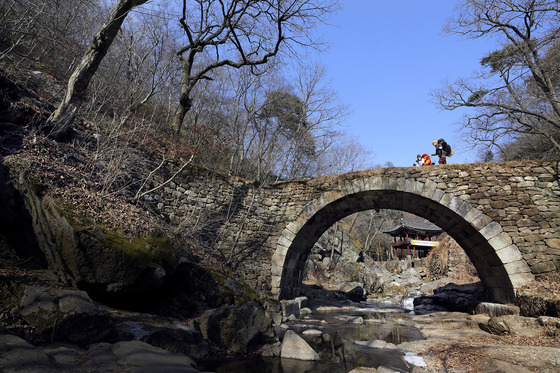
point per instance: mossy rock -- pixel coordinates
(100, 260)
(147, 249)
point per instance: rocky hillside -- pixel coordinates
(63, 224)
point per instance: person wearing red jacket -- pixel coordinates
(423, 160)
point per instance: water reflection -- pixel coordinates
(271, 365)
(334, 337)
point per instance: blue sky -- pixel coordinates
(385, 57)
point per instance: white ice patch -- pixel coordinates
(408, 303)
(412, 358)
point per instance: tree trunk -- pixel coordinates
(63, 117)
(185, 104)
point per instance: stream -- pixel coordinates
(345, 337)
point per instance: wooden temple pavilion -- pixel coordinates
(414, 237)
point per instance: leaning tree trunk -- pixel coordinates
(62, 118)
(185, 105)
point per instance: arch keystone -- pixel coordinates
(390, 183)
(400, 183)
(374, 183)
(409, 186)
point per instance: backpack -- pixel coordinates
(445, 147)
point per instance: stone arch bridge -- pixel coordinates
(506, 216)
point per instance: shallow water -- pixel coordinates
(336, 345)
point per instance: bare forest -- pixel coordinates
(217, 83)
(227, 85)
(158, 85)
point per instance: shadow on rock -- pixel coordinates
(451, 297)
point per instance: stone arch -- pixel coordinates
(497, 259)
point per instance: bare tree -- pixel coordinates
(345, 155)
(238, 33)
(138, 69)
(64, 115)
(146, 57)
(367, 226)
(517, 93)
(295, 131)
(325, 114)
(273, 129)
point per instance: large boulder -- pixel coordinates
(16, 230)
(451, 297)
(18, 355)
(65, 315)
(142, 357)
(293, 307)
(295, 347)
(356, 294)
(532, 305)
(189, 342)
(239, 329)
(513, 325)
(496, 309)
(84, 253)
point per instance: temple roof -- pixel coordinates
(422, 227)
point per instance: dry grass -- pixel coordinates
(437, 261)
(473, 355)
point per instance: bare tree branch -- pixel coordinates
(63, 116)
(519, 95)
(241, 33)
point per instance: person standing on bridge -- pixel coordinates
(443, 150)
